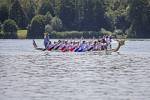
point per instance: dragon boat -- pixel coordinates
(120, 43)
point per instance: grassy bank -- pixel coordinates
(22, 34)
(75, 34)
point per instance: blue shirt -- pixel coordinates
(46, 40)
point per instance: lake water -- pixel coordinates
(28, 74)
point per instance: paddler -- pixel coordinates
(82, 47)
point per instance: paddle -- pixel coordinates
(36, 47)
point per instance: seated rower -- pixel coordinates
(64, 47)
(108, 41)
(95, 46)
(104, 44)
(82, 47)
(77, 45)
(58, 44)
(50, 46)
(72, 46)
(99, 45)
(90, 47)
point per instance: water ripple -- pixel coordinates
(36, 75)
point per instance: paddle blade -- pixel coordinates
(34, 44)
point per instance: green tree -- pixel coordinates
(139, 18)
(48, 29)
(56, 23)
(37, 27)
(3, 12)
(56, 6)
(18, 14)
(67, 13)
(79, 14)
(45, 7)
(94, 15)
(48, 18)
(88, 16)
(30, 8)
(122, 23)
(10, 28)
(116, 12)
(0, 26)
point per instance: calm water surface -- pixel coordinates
(27, 74)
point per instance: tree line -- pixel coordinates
(132, 17)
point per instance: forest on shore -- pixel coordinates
(74, 18)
